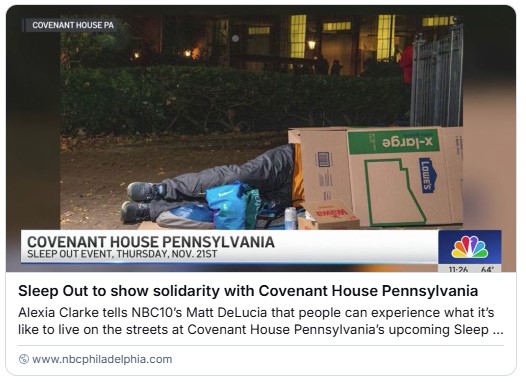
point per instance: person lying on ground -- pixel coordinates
(276, 174)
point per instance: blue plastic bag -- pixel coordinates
(228, 205)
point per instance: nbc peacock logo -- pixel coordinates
(470, 247)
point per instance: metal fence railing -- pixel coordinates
(436, 93)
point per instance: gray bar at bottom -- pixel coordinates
(470, 268)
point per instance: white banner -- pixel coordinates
(301, 247)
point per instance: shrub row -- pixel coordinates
(198, 100)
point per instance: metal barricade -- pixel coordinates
(436, 90)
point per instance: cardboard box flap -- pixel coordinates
(330, 211)
(294, 134)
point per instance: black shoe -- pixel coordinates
(145, 192)
(135, 212)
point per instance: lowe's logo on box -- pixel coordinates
(428, 175)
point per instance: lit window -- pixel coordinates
(340, 26)
(435, 21)
(298, 25)
(258, 30)
(386, 27)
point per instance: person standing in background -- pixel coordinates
(322, 65)
(406, 63)
(336, 67)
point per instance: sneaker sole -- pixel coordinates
(129, 192)
(123, 212)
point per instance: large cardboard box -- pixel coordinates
(394, 176)
(328, 215)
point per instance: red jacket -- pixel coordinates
(406, 63)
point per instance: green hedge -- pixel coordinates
(202, 100)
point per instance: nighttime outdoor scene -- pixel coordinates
(168, 95)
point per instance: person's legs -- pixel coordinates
(271, 173)
(194, 185)
(171, 193)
